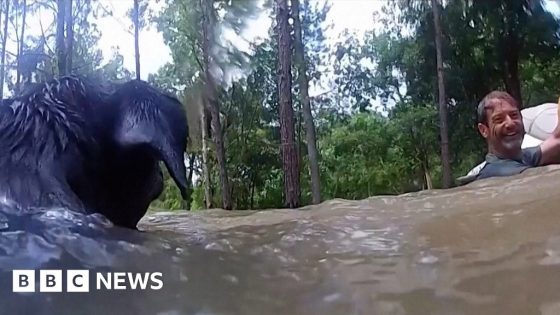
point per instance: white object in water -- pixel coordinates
(539, 122)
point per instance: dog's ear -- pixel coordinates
(148, 118)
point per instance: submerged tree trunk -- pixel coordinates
(427, 175)
(514, 19)
(288, 145)
(20, 47)
(205, 161)
(212, 102)
(60, 45)
(189, 180)
(69, 36)
(136, 38)
(3, 52)
(446, 165)
(511, 69)
(423, 158)
(191, 167)
(252, 201)
(310, 135)
(426, 166)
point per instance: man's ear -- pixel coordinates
(484, 130)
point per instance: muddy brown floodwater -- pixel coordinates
(492, 247)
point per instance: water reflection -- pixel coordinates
(481, 249)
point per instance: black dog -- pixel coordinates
(146, 127)
(90, 147)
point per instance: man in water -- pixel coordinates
(501, 124)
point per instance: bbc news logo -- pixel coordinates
(79, 281)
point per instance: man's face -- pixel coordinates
(504, 129)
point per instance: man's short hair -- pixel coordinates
(494, 95)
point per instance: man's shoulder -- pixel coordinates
(496, 166)
(532, 155)
(531, 150)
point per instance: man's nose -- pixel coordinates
(509, 122)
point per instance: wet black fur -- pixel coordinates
(90, 148)
(147, 127)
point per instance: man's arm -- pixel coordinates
(550, 148)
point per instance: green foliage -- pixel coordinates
(370, 154)
(114, 69)
(360, 144)
(38, 62)
(197, 198)
(170, 198)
